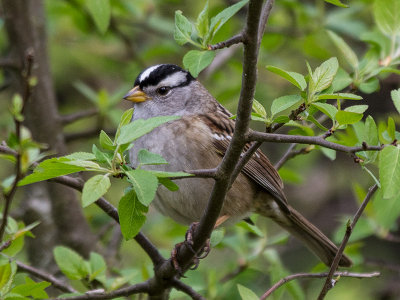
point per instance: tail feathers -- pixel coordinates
(313, 238)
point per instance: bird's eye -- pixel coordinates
(163, 90)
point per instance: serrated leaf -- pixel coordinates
(106, 142)
(222, 17)
(347, 52)
(282, 103)
(347, 117)
(81, 156)
(195, 61)
(50, 168)
(327, 109)
(337, 3)
(145, 185)
(70, 263)
(389, 171)
(323, 75)
(396, 99)
(259, 108)
(146, 157)
(140, 127)
(100, 10)
(387, 16)
(95, 188)
(202, 23)
(347, 96)
(246, 293)
(183, 29)
(131, 214)
(293, 77)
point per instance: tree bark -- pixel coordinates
(25, 26)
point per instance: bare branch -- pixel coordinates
(315, 275)
(311, 140)
(328, 283)
(264, 18)
(68, 119)
(179, 285)
(236, 39)
(46, 276)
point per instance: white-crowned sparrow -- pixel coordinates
(198, 140)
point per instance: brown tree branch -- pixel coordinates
(179, 285)
(68, 119)
(315, 275)
(236, 39)
(349, 229)
(266, 11)
(45, 276)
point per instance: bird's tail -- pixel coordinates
(313, 238)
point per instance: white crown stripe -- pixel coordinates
(146, 73)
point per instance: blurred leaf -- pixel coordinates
(293, 77)
(100, 10)
(221, 18)
(97, 267)
(341, 80)
(389, 171)
(387, 16)
(140, 127)
(396, 99)
(347, 117)
(16, 107)
(95, 188)
(357, 108)
(386, 210)
(163, 174)
(327, 109)
(345, 49)
(183, 29)
(145, 185)
(246, 293)
(70, 263)
(282, 103)
(32, 288)
(131, 214)
(217, 236)
(86, 91)
(329, 153)
(202, 23)
(337, 3)
(195, 61)
(51, 168)
(323, 75)
(146, 157)
(81, 156)
(370, 86)
(102, 157)
(371, 136)
(7, 274)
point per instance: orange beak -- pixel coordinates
(136, 95)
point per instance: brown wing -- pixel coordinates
(259, 168)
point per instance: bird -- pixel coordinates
(198, 139)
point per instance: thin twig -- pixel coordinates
(264, 18)
(46, 276)
(68, 119)
(315, 275)
(242, 266)
(9, 195)
(180, 286)
(349, 229)
(236, 39)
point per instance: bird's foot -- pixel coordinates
(189, 243)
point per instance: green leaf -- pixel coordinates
(371, 132)
(183, 29)
(7, 274)
(396, 99)
(370, 86)
(246, 293)
(105, 141)
(81, 156)
(259, 108)
(347, 96)
(16, 107)
(389, 170)
(202, 24)
(163, 174)
(337, 3)
(357, 108)
(70, 263)
(100, 10)
(195, 61)
(168, 183)
(131, 214)
(345, 49)
(221, 18)
(86, 91)
(97, 267)
(125, 119)
(341, 80)
(386, 210)
(145, 185)
(391, 128)
(323, 75)
(327, 109)
(140, 127)
(50, 168)
(217, 236)
(387, 16)
(87, 164)
(32, 288)
(282, 103)
(293, 77)
(347, 117)
(102, 157)
(146, 157)
(94, 188)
